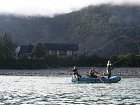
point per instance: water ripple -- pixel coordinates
(33, 90)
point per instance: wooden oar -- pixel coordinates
(101, 80)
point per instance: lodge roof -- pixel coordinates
(51, 46)
(26, 48)
(61, 46)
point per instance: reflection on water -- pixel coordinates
(37, 90)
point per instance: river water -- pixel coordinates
(58, 90)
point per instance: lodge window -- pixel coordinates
(62, 53)
(53, 52)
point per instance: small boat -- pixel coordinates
(112, 79)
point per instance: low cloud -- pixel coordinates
(51, 7)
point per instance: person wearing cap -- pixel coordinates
(109, 68)
(93, 73)
(75, 72)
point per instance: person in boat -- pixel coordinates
(109, 68)
(75, 72)
(93, 73)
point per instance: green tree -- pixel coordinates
(131, 60)
(38, 51)
(6, 46)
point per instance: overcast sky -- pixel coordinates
(51, 7)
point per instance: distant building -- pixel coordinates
(24, 50)
(59, 49)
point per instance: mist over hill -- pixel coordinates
(105, 29)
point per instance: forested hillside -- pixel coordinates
(104, 29)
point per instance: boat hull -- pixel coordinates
(113, 79)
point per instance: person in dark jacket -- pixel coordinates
(75, 72)
(93, 73)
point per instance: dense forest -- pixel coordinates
(107, 30)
